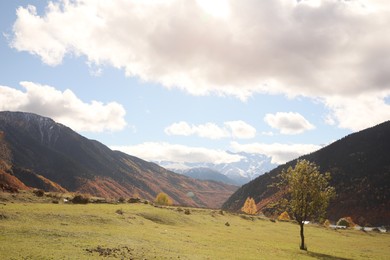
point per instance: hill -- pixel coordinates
(360, 167)
(40, 153)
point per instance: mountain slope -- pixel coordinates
(360, 169)
(38, 150)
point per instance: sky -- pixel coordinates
(198, 80)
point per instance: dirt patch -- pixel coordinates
(124, 252)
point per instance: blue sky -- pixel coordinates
(189, 80)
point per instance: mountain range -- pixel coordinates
(37, 152)
(360, 168)
(248, 168)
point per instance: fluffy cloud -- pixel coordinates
(359, 112)
(288, 123)
(152, 151)
(241, 130)
(280, 153)
(235, 129)
(64, 107)
(311, 48)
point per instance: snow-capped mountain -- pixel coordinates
(241, 172)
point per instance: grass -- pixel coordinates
(44, 230)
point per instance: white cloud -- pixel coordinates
(235, 129)
(64, 107)
(288, 122)
(359, 112)
(241, 130)
(153, 151)
(280, 153)
(321, 48)
(180, 128)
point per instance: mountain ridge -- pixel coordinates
(249, 167)
(38, 150)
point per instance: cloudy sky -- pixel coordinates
(188, 80)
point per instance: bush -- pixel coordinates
(134, 200)
(121, 200)
(39, 192)
(284, 216)
(187, 212)
(80, 199)
(346, 221)
(163, 199)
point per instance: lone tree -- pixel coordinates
(307, 193)
(249, 206)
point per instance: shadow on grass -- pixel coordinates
(325, 256)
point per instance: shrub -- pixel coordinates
(80, 199)
(39, 192)
(121, 200)
(187, 212)
(284, 216)
(163, 199)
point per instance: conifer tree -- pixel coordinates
(249, 206)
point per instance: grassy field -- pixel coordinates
(41, 230)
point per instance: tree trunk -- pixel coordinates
(302, 247)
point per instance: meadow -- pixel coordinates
(32, 229)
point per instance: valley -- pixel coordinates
(35, 228)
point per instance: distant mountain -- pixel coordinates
(37, 152)
(360, 169)
(241, 172)
(208, 174)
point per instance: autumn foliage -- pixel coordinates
(163, 199)
(249, 206)
(284, 216)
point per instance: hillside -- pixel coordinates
(43, 154)
(360, 167)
